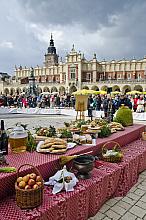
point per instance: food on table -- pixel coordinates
(54, 145)
(7, 169)
(84, 128)
(79, 123)
(124, 116)
(48, 132)
(115, 126)
(19, 179)
(113, 130)
(82, 140)
(25, 178)
(65, 133)
(74, 129)
(88, 139)
(76, 138)
(101, 122)
(67, 179)
(32, 176)
(104, 132)
(93, 124)
(27, 187)
(22, 184)
(29, 181)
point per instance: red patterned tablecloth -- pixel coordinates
(109, 180)
(48, 163)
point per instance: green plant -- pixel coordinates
(66, 134)
(105, 132)
(124, 116)
(31, 143)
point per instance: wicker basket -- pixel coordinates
(144, 136)
(29, 198)
(112, 158)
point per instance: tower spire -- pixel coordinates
(52, 41)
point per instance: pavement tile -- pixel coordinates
(129, 200)
(118, 198)
(128, 216)
(124, 205)
(140, 186)
(111, 202)
(143, 198)
(139, 192)
(139, 212)
(113, 215)
(98, 216)
(133, 196)
(119, 210)
(107, 218)
(141, 204)
(104, 208)
(143, 183)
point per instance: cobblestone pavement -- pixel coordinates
(130, 207)
(35, 120)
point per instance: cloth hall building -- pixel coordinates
(77, 73)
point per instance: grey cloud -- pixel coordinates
(112, 28)
(90, 13)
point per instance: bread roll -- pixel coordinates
(59, 151)
(59, 143)
(49, 140)
(59, 146)
(48, 145)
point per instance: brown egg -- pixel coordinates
(19, 179)
(27, 187)
(32, 176)
(35, 186)
(38, 178)
(22, 184)
(26, 178)
(39, 183)
(31, 182)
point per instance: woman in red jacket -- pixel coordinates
(135, 103)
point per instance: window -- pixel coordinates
(119, 76)
(72, 72)
(139, 76)
(129, 76)
(109, 76)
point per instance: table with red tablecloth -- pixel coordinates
(89, 195)
(48, 163)
(109, 180)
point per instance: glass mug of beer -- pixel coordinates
(18, 139)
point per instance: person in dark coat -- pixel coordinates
(90, 107)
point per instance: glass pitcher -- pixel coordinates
(18, 139)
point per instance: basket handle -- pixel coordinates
(104, 149)
(38, 172)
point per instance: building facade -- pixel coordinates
(77, 73)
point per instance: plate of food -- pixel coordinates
(54, 146)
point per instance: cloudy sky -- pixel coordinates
(113, 29)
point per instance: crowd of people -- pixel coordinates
(42, 101)
(110, 104)
(104, 103)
